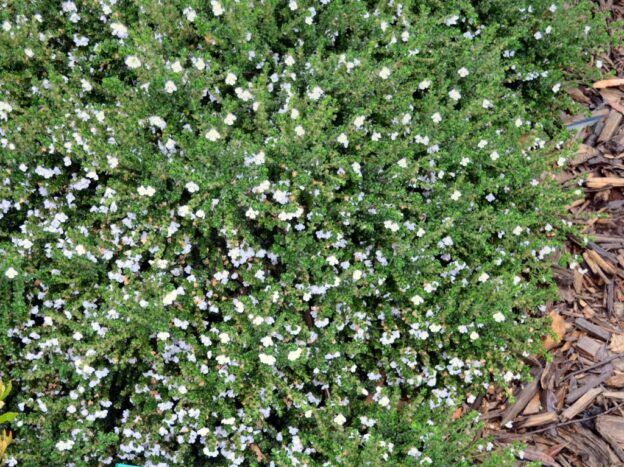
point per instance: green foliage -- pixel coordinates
(250, 231)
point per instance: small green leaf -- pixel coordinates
(7, 417)
(6, 391)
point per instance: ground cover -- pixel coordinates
(277, 232)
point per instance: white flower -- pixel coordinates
(280, 196)
(169, 298)
(487, 104)
(292, 5)
(316, 93)
(170, 87)
(199, 63)
(252, 213)
(456, 195)
(158, 122)
(359, 121)
(264, 186)
(332, 260)
(435, 327)
(417, 300)
(342, 139)
(65, 445)
(392, 226)
(537, 35)
(267, 359)
(229, 119)
(452, 20)
(339, 419)
(474, 335)
(463, 72)
(230, 79)
(289, 61)
(29, 53)
(294, 114)
(228, 421)
(556, 88)
(357, 275)
(224, 337)
(213, 135)
(119, 30)
(494, 156)
(454, 94)
(217, 8)
(436, 117)
(133, 62)
(402, 163)
(420, 233)
(192, 187)
(11, 273)
(384, 73)
(465, 161)
(299, 131)
(295, 354)
(222, 359)
(190, 14)
(499, 317)
(163, 336)
(384, 401)
(424, 84)
(5, 108)
(517, 230)
(146, 191)
(176, 66)
(483, 277)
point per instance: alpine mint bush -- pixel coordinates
(275, 233)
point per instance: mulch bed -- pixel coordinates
(572, 413)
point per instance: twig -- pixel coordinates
(570, 422)
(592, 367)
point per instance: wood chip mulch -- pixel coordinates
(572, 413)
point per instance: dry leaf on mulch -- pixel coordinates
(617, 344)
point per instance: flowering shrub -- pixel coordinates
(275, 233)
